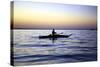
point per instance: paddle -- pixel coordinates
(61, 33)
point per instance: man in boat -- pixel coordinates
(53, 32)
(54, 35)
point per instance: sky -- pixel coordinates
(36, 15)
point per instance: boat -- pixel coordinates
(55, 36)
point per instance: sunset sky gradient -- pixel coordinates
(35, 15)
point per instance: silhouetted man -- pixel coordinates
(53, 32)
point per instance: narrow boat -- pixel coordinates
(55, 36)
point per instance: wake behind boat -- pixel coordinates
(55, 35)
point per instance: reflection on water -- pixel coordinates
(29, 49)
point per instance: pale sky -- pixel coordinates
(35, 15)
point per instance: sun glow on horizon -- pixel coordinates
(41, 15)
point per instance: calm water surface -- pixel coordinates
(29, 49)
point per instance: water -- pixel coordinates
(29, 49)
